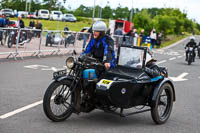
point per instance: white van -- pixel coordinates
(43, 14)
(56, 15)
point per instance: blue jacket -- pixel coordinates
(2, 22)
(94, 47)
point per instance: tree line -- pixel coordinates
(166, 20)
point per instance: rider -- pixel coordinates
(191, 43)
(101, 46)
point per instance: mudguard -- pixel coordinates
(64, 77)
(158, 86)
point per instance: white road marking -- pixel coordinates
(180, 77)
(160, 62)
(180, 56)
(35, 66)
(53, 69)
(173, 58)
(20, 110)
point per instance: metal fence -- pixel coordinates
(16, 42)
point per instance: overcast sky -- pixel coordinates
(192, 7)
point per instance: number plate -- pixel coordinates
(106, 82)
(59, 74)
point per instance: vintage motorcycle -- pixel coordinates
(129, 85)
(52, 38)
(25, 36)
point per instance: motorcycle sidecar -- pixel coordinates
(129, 85)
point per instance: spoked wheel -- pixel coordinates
(162, 107)
(58, 101)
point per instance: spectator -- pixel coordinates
(39, 27)
(32, 23)
(159, 39)
(153, 37)
(20, 22)
(141, 37)
(135, 34)
(119, 31)
(66, 28)
(2, 21)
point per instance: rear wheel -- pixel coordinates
(58, 101)
(161, 109)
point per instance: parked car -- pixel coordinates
(12, 23)
(56, 15)
(23, 14)
(43, 14)
(31, 15)
(7, 12)
(69, 18)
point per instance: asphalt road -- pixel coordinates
(23, 83)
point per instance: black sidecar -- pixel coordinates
(130, 85)
(135, 82)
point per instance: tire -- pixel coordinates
(155, 112)
(58, 100)
(189, 59)
(10, 41)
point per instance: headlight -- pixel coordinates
(70, 62)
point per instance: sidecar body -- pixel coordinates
(129, 85)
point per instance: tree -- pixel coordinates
(107, 12)
(142, 20)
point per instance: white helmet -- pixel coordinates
(192, 38)
(99, 26)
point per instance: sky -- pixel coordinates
(191, 7)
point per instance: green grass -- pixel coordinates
(59, 25)
(172, 39)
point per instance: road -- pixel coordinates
(24, 82)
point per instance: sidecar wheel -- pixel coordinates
(58, 101)
(161, 109)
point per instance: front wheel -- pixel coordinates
(161, 109)
(58, 101)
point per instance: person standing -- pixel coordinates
(39, 27)
(20, 22)
(159, 39)
(32, 23)
(153, 37)
(141, 37)
(118, 32)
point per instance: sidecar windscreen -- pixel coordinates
(132, 57)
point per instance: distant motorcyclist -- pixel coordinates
(192, 44)
(101, 46)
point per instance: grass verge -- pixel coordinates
(172, 39)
